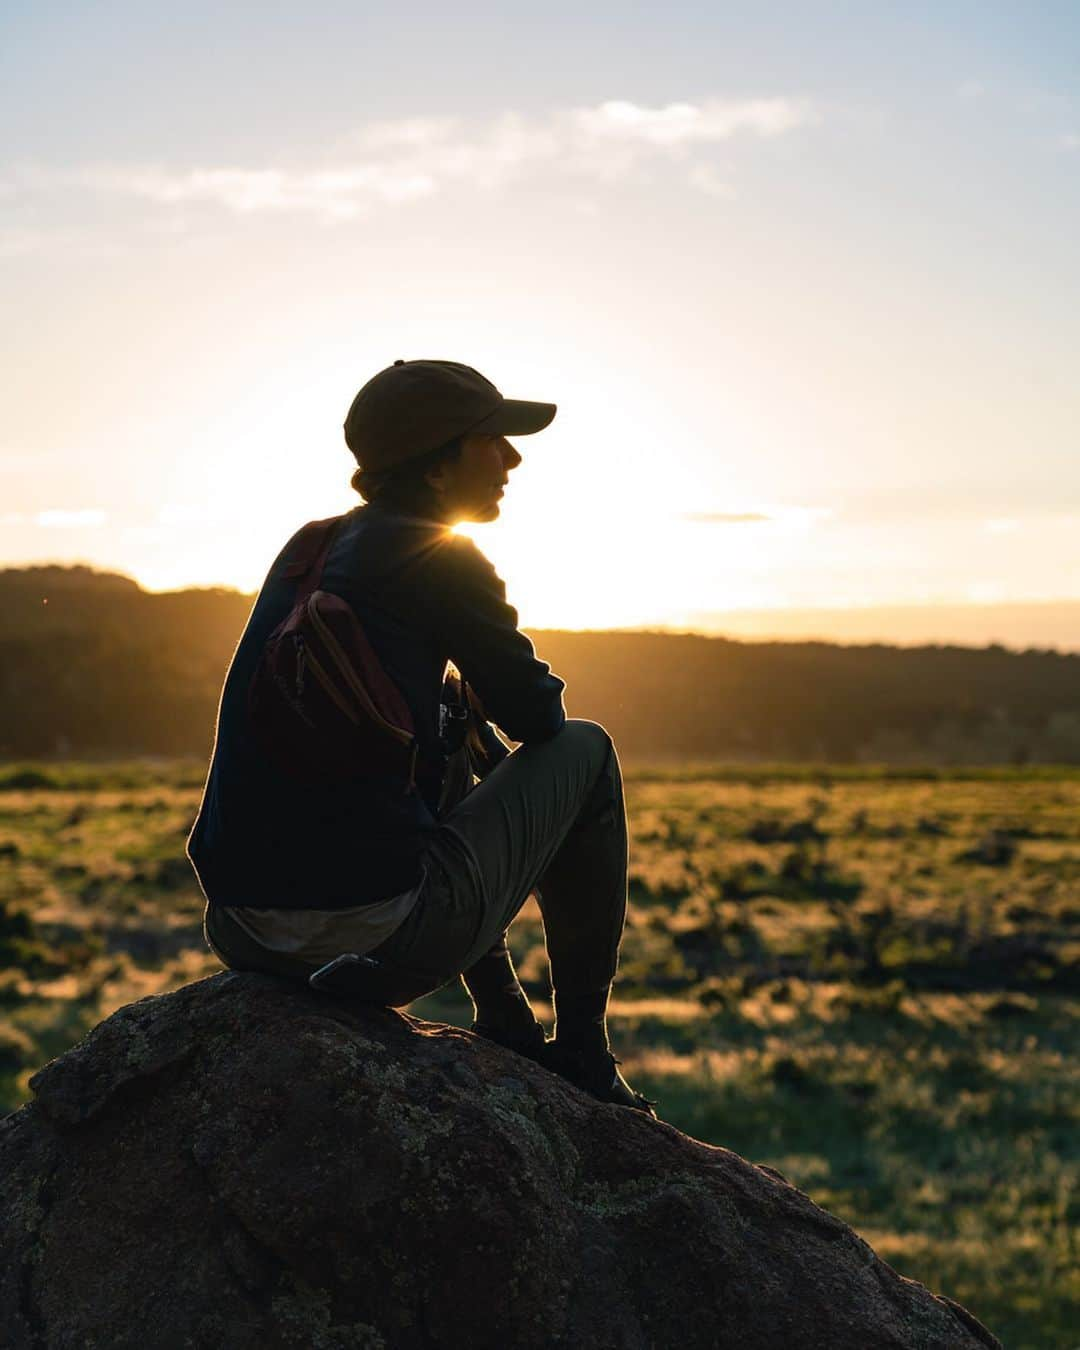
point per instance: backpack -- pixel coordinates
(320, 702)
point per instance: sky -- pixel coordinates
(801, 278)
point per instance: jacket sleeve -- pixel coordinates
(479, 630)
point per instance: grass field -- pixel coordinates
(869, 981)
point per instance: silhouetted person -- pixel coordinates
(426, 882)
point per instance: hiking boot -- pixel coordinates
(529, 1043)
(598, 1075)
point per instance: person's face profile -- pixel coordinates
(470, 487)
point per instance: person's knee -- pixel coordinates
(594, 740)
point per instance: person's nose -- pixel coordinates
(511, 458)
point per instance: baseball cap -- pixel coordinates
(412, 407)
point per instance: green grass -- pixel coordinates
(868, 980)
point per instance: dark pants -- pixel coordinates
(549, 819)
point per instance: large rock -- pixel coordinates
(245, 1164)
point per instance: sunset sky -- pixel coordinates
(802, 279)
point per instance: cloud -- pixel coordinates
(393, 162)
(682, 124)
(208, 514)
(723, 517)
(408, 132)
(58, 519)
(335, 194)
(780, 514)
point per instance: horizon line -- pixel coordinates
(779, 624)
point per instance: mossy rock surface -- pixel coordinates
(243, 1163)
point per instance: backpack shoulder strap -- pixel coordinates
(308, 555)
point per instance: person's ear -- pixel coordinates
(436, 479)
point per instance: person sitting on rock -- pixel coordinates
(426, 882)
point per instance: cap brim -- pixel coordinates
(516, 417)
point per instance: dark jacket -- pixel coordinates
(424, 595)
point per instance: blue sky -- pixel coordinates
(811, 264)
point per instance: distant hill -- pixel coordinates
(91, 664)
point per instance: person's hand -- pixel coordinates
(486, 748)
(475, 702)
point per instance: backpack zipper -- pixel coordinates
(301, 653)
